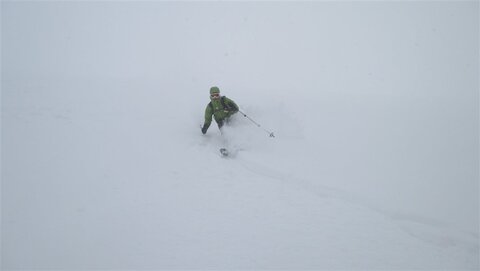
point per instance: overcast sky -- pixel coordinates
(267, 44)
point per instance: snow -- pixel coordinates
(375, 163)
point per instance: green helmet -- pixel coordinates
(214, 90)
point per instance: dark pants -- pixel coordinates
(222, 122)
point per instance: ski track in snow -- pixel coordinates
(425, 229)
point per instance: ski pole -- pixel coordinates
(258, 125)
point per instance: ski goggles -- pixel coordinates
(215, 95)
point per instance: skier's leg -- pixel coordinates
(220, 123)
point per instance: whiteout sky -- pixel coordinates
(377, 99)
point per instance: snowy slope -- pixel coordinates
(106, 168)
(120, 186)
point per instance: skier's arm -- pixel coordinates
(232, 105)
(208, 118)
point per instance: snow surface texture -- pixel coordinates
(374, 164)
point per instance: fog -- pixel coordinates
(375, 107)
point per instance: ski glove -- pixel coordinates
(204, 129)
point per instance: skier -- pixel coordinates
(220, 107)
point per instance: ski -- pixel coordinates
(224, 151)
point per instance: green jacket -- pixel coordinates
(220, 109)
